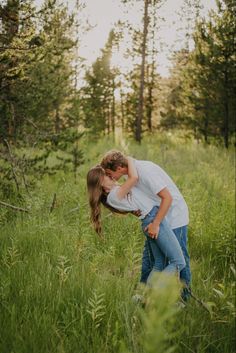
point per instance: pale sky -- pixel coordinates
(103, 14)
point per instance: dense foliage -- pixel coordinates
(201, 90)
(39, 50)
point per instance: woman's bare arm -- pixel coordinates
(130, 182)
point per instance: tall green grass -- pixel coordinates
(63, 289)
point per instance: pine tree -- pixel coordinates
(202, 90)
(99, 92)
(36, 71)
(15, 47)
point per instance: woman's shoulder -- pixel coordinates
(113, 193)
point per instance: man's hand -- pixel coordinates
(153, 230)
(136, 213)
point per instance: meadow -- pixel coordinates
(64, 290)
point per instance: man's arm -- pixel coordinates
(131, 180)
(166, 200)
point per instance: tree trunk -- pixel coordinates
(139, 117)
(226, 115)
(152, 78)
(122, 111)
(206, 120)
(57, 121)
(150, 101)
(226, 124)
(12, 123)
(108, 120)
(206, 128)
(113, 108)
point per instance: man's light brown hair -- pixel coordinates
(114, 159)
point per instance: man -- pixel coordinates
(156, 183)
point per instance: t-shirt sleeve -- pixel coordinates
(152, 181)
(111, 200)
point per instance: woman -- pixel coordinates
(126, 198)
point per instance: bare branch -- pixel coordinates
(200, 302)
(53, 203)
(15, 208)
(32, 123)
(12, 165)
(74, 210)
(23, 175)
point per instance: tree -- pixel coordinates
(174, 112)
(36, 71)
(213, 68)
(141, 98)
(14, 48)
(99, 92)
(204, 86)
(139, 118)
(152, 78)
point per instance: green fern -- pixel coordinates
(96, 308)
(63, 269)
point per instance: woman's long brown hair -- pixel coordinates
(97, 196)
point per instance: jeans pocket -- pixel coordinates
(146, 233)
(146, 224)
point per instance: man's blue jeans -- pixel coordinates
(158, 251)
(148, 259)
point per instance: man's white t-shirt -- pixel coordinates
(152, 179)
